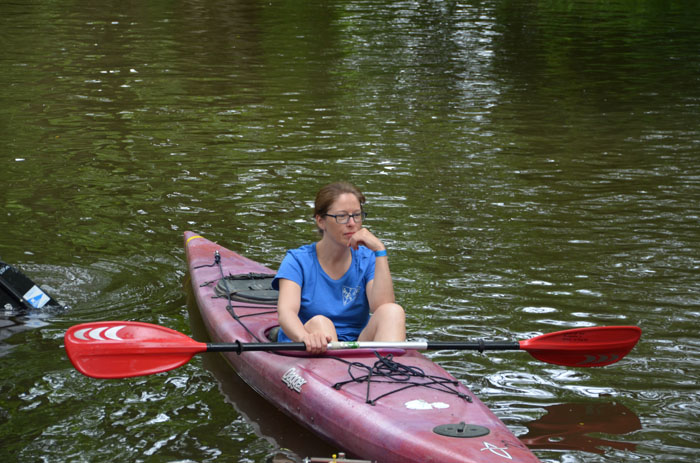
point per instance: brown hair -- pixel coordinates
(327, 195)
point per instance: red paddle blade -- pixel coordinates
(584, 347)
(125, 349)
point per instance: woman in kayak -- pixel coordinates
(328, 289)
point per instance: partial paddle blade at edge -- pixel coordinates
(124, 349)
(584, 347)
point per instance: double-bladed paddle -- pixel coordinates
(121, 349)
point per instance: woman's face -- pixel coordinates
(347, 203)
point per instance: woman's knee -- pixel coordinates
(320, 324)
(388, 323)
(391, 311)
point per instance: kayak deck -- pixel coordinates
(389, 405)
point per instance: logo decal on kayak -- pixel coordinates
(96, 334)
(36, 297)
(500, 451)
(293, 380)
(349, 294)
(421, 404)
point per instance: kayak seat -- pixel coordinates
(272, 333)
(254, 288)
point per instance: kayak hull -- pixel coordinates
(356, 416)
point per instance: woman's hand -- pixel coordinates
(316, 343)
(365, 237)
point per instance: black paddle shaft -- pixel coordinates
(239, 347)
(478, 345)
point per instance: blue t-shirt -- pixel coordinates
(344, 301)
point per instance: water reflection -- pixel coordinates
(569, 427)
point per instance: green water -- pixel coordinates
(532, 166)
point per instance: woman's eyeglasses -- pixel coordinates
(345, 218)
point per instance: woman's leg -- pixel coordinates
(323, 325)
(387, 323)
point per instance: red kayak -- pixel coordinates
(387, 405)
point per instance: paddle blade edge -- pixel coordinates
(584, 347)
(119, 349)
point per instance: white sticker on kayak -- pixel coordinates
(421, 404)
(293, 380)
(36, 297)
